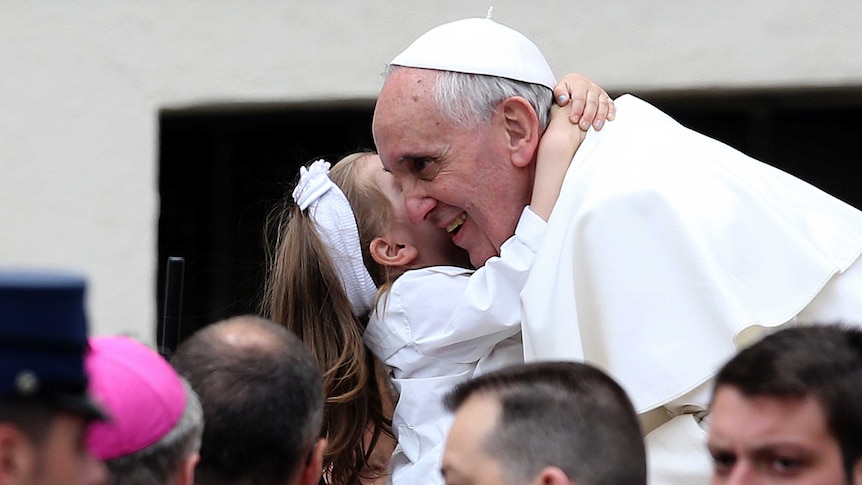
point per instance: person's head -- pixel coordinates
(543, 423)
(458, 123)
(788, 409)
(44, 407)
(389, 243)
(154, 431)
(262, 398)
(397, 244)
(319, 287)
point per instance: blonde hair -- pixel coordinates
(304, 294)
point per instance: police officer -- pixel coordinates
(44, 407)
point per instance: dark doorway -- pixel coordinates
(808, 133)
(221, 171)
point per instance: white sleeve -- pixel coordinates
(488, 310)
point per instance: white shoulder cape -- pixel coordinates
(666, 245)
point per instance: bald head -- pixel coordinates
(249, 333)
(262, 396)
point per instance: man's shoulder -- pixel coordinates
(630, 106)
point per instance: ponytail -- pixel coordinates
(303, 293)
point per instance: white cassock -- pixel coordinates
(666, 251)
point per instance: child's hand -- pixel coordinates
(591, 105)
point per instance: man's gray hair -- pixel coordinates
(470, 99)
(157, 463)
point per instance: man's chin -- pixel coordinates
(479, 257)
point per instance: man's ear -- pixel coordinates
(17, 455)
(312, 468)
(522, 129)
(551, 475)
(387, 252)
(856, 479)
(186, 473)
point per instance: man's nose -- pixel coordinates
(741, 474)
(418, 207)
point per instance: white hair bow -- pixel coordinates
(336, 225)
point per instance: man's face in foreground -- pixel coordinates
(59, 458)
(769, 440)
(465, 461)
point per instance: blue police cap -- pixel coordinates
(43, 339)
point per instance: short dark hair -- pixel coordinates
(262, 395)
(823, 361)
(565, 414)
(32, 417)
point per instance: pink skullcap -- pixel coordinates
(142, 394)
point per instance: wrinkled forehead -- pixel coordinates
(410, 80)
(405, 92)
(407, 124)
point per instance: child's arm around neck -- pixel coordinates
(556, 150)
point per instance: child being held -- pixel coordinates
(350, 267)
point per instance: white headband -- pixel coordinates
(328, 208)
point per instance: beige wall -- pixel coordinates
(81, 85)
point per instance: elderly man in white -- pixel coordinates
(666, 251)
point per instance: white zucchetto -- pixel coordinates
(479, 46)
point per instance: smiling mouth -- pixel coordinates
(455, 225)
